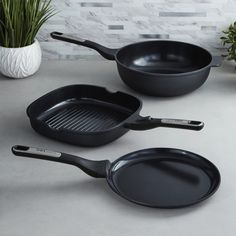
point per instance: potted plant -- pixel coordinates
(229, 40)
(20, 21)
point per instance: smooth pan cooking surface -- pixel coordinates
(165, 178)
(163, 57)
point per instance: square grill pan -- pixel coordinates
(83, 114)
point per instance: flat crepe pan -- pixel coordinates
(156, 177)
(88, 115)
(157, 67)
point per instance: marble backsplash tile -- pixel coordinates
(116, 23)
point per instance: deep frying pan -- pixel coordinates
(89, 115)
(157, 68)
(158, 177)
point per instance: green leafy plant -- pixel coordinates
(229, 40)
(20, 21)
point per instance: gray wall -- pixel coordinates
(115, 23)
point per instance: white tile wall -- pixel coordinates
(115, 23)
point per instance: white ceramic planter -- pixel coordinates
(20, 62)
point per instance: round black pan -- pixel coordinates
(157, 68)
(157, 177)
(90, 116)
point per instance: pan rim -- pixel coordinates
(207, 195)
(163, 74)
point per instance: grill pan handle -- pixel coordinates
(107, 53)
(148, 122)
(97, 169)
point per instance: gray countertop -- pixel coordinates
(46, 198)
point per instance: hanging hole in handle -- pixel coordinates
(196, 123)
(20, 148)
(57, 33)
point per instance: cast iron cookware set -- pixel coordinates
(88, 115)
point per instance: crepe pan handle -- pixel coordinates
(145, 123)
(97, 169)
(107, 53)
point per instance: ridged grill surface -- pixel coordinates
(85, 118)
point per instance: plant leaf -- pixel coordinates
(20, 20)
